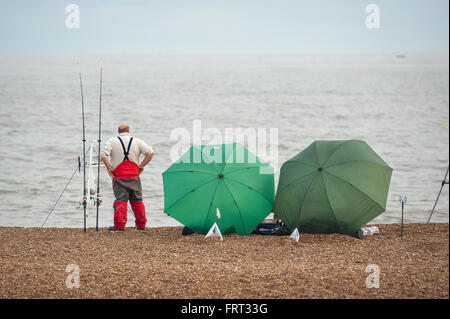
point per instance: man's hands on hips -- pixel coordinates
(108, 167)
(146, 160)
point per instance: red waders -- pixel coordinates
(127, 187)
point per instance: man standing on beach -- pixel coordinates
(125, 169)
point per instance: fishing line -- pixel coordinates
(67, 185)
(56, 203)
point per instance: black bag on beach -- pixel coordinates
(187, 231)
(277, 228)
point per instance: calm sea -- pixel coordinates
(399, 106)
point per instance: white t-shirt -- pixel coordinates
(114, 150)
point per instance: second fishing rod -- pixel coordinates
(98, 198)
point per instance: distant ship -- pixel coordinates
(401, 55)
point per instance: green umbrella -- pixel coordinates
(224, 184)
(332, 187)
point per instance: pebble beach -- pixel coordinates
(161, 263)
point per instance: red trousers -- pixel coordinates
(127, 187)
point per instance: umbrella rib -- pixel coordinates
(298, 178)
(357, 190)
(331, 155)
(211, 161)
(226, 160)
(328, 199)
(231, 154)
(309, 165)
(260, 194)
(304, 197)
(258, 163)
(317, 154)
(182, 197)
(247, 167)
(190, 171)
(240, 214)
(209, 209)
(358, 161)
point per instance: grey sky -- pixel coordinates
(225, 26)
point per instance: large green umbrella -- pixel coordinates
(332, 187)
(224, 184)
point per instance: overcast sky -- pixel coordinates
(224, 26)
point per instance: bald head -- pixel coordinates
(123, 128)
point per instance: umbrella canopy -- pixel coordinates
(224, 184)
(332, 187)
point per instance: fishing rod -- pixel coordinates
(84, 202)
(99, 197)
(91, 179)
(442, 186)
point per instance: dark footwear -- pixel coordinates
(139, 228)
(187, 231)
(358, 234)
(111, 228)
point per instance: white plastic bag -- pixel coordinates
(371, 230)
(367, 231)
(214, 232)
(295, 235)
